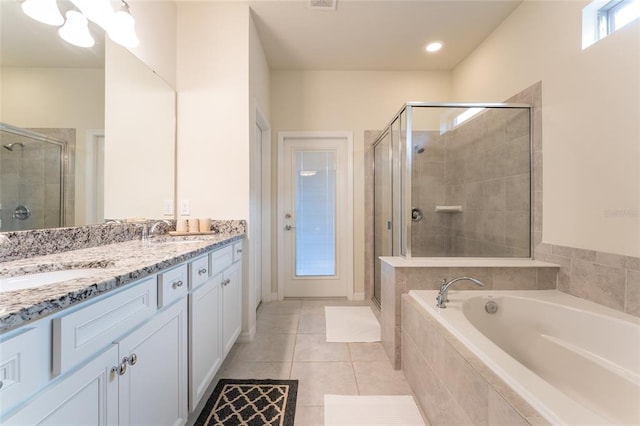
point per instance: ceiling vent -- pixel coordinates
(323, 4)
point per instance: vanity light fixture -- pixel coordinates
(434, 46)
(122, 27)
(98, 11)
(76, 30)
(45, 11)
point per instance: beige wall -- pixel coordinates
(156, 26)
(56, 98)
(213, 108)
(349, 101)
(590, 110)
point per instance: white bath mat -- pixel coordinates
(351, 324)
(371, 410)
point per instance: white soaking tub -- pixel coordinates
(574, 361)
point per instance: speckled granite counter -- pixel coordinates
(116, 265)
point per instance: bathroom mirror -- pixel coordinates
(122, 114)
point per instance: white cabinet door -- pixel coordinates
(231, 306)
(205, 352)
(153, 389)
(88, 396)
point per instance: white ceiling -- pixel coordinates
(358, 35)
(375, 34)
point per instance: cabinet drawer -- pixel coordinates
(81, 333)
(198, 271)
(25, 363)
(237, 251)
(172, 285)
(221, 259)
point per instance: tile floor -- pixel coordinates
(290, 344)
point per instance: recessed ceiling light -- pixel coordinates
(434, 46)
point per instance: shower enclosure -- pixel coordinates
(32, 190)
(452, 180)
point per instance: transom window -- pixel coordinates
(602, 17)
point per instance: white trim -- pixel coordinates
(265, 179)
(348, 137)
(274, 296)
(90, 216)
(358, 295)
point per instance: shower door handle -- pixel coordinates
(289, 227)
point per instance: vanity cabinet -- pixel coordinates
(141, 355)
(152, 370)
(231, 306)
(215, 317)
(205, 348)
(87, 396)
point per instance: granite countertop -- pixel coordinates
(116, 265)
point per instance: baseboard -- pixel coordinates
(358, 296)
(247, 336)
(274, 297)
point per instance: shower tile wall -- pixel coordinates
(483, 166)
(30, 176)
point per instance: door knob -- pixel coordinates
(289, 227)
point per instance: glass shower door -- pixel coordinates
(383, 212)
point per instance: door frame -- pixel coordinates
(348, 234)
(263, 211)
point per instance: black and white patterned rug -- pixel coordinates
(250, 403)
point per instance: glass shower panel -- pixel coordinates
(429, 230)
(30, 182)
(471, 173)
(383, 212)
(315, 213)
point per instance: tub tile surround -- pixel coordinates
(399, 276)
(609, 279)
(451, 384)
(116, 263)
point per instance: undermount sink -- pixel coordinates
(23, 282)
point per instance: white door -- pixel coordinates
(315, 208)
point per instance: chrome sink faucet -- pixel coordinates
(441, 299)
(155, 225)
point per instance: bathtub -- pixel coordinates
(573, 361)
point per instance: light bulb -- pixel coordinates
(122, 28)
(76, 30)
(45, 11)
(98, 11)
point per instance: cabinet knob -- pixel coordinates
(1, 384)
(226, 282)
(239, 251)
(202, 271)
(133, 358)
(176, 284)
(120, 369)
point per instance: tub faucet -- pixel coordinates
(444, 289)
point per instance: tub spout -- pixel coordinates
(441, 299)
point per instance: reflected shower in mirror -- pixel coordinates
(54, 89)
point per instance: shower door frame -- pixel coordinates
(402, 225)
(64, 157)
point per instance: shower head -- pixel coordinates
(10, 146)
